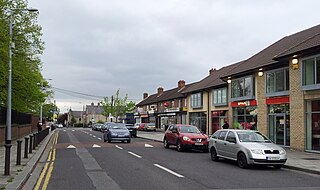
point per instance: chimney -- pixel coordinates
(145, 95)
(181, 84)
(98, 104)
(211, 71)
(92, 104)
(160, 90)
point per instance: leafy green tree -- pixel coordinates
(27, 93)
(117, 106)
(49, 110)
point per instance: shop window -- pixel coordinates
(196, 100)
(245, 117)
(311, 73)
(313, 125)
(219, 97)
(242, 88)
(277, 82)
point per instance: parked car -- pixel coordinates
(149, 127)
(247, 147)
(97, 126)
(132, 129)
(136, 125)
(185, 137)
(116, 132)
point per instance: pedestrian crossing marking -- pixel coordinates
(96, 146)
(71, 146)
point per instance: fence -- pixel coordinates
(16, 117)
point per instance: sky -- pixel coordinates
(95, 47)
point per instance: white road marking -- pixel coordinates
(119, 147)
(96, 146)
(90, 134)
(148, 146)
(72, 130)
(71, 146)
(136, 155)
(167, 170)
(99, 138)
(64, 130)
(94, 136)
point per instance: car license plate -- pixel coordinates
(198, 144)
(273, 158)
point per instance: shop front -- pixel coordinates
(218, 119)
(313, 125)
(245, 114)
(279, 120)
(199, 119)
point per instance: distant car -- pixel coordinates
(132, 129)
(116, 132)
(60, 126)
(247, 147)
(97, 126)
(149, 127)
(141, 126)
(136, 125)
(185, 137)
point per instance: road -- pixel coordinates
(79, 159)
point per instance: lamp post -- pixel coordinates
(9, 99)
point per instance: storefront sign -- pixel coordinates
(144, 115)
(185, 109)
(278, 100)
(244, 103)
(172, 110)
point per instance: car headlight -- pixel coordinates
(257, 151)
(185, 138)
(282, 152)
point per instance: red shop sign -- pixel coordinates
(244, 103)
(278, 100)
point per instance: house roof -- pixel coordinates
(77, 113)
(211, 81)
(94, 109)
(167, 95)
(288, 45)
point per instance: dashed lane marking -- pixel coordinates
(118, 147)
(168, 170)
(136, 155)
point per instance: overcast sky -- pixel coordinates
(95, 47)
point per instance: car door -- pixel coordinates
(169, 135)
(220, 143)
(230, 145)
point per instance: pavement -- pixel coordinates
(19, 174)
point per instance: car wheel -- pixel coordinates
(214, 156)
(277, 166)
(165, 143)
(179, 147)
(242, 160)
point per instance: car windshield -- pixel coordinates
(151, 124)
(118, 126)
(189, 129)
(252, 136)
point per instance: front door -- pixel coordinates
(282, 130)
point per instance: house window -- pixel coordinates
(311, 73)
(277, 82)
(219, 97)
(242, 88)
(196, 100)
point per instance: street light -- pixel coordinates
(8, 123)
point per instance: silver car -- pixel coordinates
(247, 147)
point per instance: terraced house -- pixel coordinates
(276, 91)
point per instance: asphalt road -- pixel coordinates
(80, 160)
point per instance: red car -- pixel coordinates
(185, 137)
(141, 126)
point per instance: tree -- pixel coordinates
(117, 106)
(27, 94)
(49, 110)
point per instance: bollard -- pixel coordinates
(26, 142)
(19, 152)
(30, 147)
(7, 159)
(34, 140)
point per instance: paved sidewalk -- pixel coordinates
(297, 160)
(20, 173)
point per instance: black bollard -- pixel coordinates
(19, 152)
(7, 158)
(26, 142)
(34, 140)
(30, 147)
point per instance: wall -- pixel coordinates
(17, 131)
(262, 117)
(297, 110)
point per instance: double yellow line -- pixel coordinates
(47, 170)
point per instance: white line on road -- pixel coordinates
(167, 170)
(99, 138)
(119, 147)
(94, 136)
(136, 155)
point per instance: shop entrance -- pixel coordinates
(279, 129)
